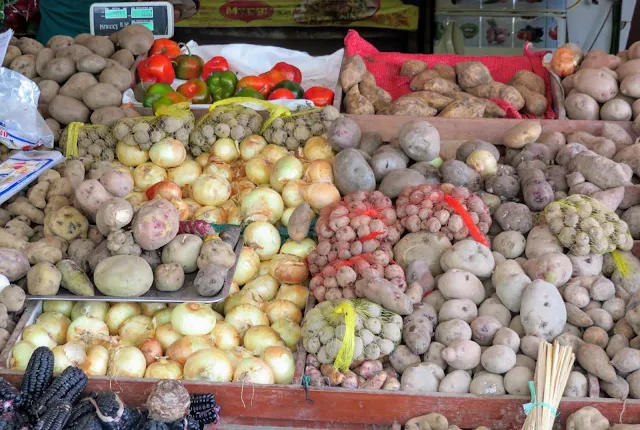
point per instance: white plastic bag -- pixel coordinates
(21, 125)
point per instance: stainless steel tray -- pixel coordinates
(29, 316)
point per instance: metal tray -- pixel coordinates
(185, 294)
(29, 316)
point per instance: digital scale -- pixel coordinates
(107, 18)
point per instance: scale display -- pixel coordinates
(107, 18)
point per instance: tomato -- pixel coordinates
(281, 93)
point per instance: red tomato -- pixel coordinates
(281, 93)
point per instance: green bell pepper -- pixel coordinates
(296, 89)
(249, 92)
(154, 92)
(168, 99)
(222, 84)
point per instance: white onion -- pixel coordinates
(167, 335)
(272, 153)
(295, 293)
(131, 156)
(318, 148)
(258, 170)
(280, 360)
(164, 369)
(284, 219)
(234, 214)
(241, 188)
(38, 336)
(319, 171)
(203, 159)
(265, 287)
(225, 149)
(262, 204)
(150, 308)
(168, 153)
(127, 361)
(135, 330)
(244, 316)
(251, 146)
(55, 324)
(209, 190)
(208, 365)
(278, 309)
(97, 361)
(237, 354)
(482, 162)
(90, 331)
(225, 336)
(211, 214)
(243, 297)
(20, 355)
(218, 168)
(293, 193)
(321, 194)
(162, 317)
(289, 269)
(152, 350)
(119, 313)
(288, 168)
(258, 338)
(192, 205)
(302, 249)
(62, 306)
(253, 371)
(264, 238)
(148, 174)
(246, 266)
(90, 309)
(185, 174)
(185, 347)
(289, 331)
(219, 317)
(70, 354)
(265, 268)
(192, 319)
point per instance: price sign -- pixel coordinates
(107, 18)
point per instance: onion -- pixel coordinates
(97, 361)
(152, 350)
(319, 171)
(127, 361)
(321, 194)
(289, 331)
(162, 317)
(239, 189)
(136, 199)
(192, 205)
(233, 289)
(131, 156)
(286, 215)
(280, 360)
(136, 329)
(262, 204)
(185, 174)
(164, 369)
(225, 149)
(186, 346)
(164, 189)
(251, 146)
(203, 159)
(208, 365)
(295, 293)
(150, 308)
(234, 214)
(21, 354)
(219, 317)
(272, 153)
(258, 170)
(265, 286)
(289, 269)
(246, 266)
(241, 297)
(301, 249)
(293, 193)
(258, 338)
(209, 190)
(119, 313)
(168, 153)
(253, 371)
(237, 354)
(167, 335)
(90, 309)
(87, 330)
(244, 316)
(38, 336)
(183, 208)
(55, 324)
(148, 174)
(265, 267)
(225, 336)
(279, 309)
(288, 168)
(318, 148)
(218, 168)
(192, 319)
(70, 354)
(264, 238)
(62, 306)
(211, 214)
(482, 162)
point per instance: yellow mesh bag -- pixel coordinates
(88, 140)
(295, 129)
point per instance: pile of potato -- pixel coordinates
(81, 79)
(293, 131)
(463, 91)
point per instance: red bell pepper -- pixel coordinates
(281, 93)
(156, 68)
(216, 64)
(166, 47)
(290, 72)
(320, 96)
(188, 66)
(258, 83)
(273, 78)
(195, 91)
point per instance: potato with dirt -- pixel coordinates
(352, 172)
(74, 279)
(92, 63)
(184, 250)
(542, 310)
(13, 264)
(601, 171)
(410, 68)
(472, 74)
(514, 216)
(66, 110)
(210, 280)
(101, 95)
(77, 84)
(169, 277)
(43, 279)
(459, 174)
(395, 181)
(155, 224)
(117, 76)
(523, 133)
(136, 38)
(419, 140)
(344, 133)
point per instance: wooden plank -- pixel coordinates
(350, 409)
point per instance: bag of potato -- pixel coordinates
(344, 332)
(293, 130)
(88, 140)
(176, 121)
(587, 226)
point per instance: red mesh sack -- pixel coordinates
(385, 67)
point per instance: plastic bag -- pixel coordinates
(21, 125)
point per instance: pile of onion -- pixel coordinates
(262, 204)
(168, 153)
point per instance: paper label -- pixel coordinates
(22, 168)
